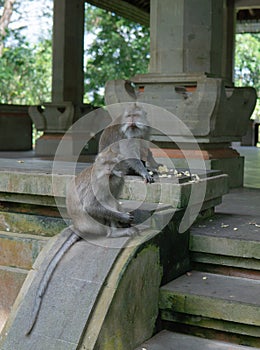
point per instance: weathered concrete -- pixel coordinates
(221, 301)
(186, 38)
(61, 320)
(105, 278)
(34, 193)
(12, 279)
(68, 35)
(40, 225)
(243, 201)
(233, 167)
(13, 119)
(191, 68)
(134, 310)
(66, 107)
(202, 106)
(97, 276)
(165, 190)
(19, 250)
(252, 165)
(228, 240)
(170, 341)
(214, 297)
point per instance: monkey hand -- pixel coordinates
(148, 178)
(126, 218)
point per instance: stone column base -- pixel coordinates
(15, 128)
(227, 160)
(47, 144)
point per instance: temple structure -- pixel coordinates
(190, 279)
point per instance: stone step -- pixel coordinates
(11, 281)
(227, 240)
(19, 221)
(212, 301)
(19, 250)
(166, 340)
(17, 254)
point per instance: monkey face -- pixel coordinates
(134, 124)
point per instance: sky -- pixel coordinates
(32, 17)
(36, 24)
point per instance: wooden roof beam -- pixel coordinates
(124, 9)
(247, 4)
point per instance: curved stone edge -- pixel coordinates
(104, 292)
(68, 332)
(44, 256)
(127, 309)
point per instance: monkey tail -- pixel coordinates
(73, 238)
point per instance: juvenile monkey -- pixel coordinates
(133, 126)
(92, 204)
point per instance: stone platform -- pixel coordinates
(29, 193)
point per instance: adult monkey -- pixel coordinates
(92, 204)
(132, 127)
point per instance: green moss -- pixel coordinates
(134, 310)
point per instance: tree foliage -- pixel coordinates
(120, 50)
(25, 72)
(247, 58)
(247, 67)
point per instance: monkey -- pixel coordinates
(93, 202)
(93, 206)
(133, 126)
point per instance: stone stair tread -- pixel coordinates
(211, 285)
(166, 340)
(231, 226)
(228, 235)
(215, 296)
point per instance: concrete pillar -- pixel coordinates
(191, 76)
(229, 34)
(68, 41)
(66, 107)
(188, 36)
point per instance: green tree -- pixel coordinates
(25, 72)
(25, 69)
(247, 67)
(120, 50)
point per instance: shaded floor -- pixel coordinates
(241, 201)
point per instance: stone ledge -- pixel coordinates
(12, 280)
(213, 296)
(79, 288)
(19, 250)
(227, 235)
(92, 281)
(167, 191)
(169, 340)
